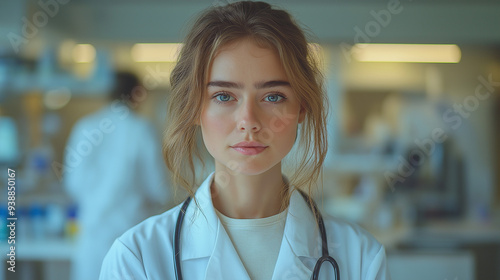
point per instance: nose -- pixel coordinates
(248, 117)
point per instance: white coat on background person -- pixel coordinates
(115, 173)
(206, 251)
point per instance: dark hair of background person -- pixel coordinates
(124, 84)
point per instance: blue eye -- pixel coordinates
(222, 98)
(275, 98)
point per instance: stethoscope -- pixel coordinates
(315, 276)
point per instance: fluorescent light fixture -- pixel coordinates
(83, 53)
(155, 52)
(415, 53)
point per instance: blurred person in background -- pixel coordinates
(116, 174)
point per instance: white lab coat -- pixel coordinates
(145, 251)
(114, 171)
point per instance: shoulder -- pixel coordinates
(135, 253)
(351, 236)
(155, 230)
(344, 230)
(87, 120)
(140, 124)
(92, 120)
(142, 239)
(349, 241)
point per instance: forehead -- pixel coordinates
(245, 59)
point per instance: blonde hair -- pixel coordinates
(268, 27)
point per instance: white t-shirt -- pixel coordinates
(257, 242)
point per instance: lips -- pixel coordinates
(249, 148)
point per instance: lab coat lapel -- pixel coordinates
(207, 238)
(300, 247)
(225, 262)
(200, 225)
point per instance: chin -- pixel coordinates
(250, 168)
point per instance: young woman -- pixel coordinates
(248, 82)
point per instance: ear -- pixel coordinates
(302, 114)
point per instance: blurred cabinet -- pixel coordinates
(46, 259)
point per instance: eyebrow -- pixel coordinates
(259, 85)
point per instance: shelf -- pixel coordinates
(41, 250)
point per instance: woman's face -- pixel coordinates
(249, 99)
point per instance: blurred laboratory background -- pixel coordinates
(413, 125)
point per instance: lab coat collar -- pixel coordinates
(301, 228)
(198, 239)
(206, 237)
(300, 247)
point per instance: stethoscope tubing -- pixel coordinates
(324, 242)
(177, 237)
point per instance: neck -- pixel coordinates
(242, 196)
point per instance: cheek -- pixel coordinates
(214, 128)
(284, 124)
(284, 134)
(214, 123)
(289, 133)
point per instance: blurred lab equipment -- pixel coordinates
(436, 176)
(9, 150)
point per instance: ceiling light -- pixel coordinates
(83, 53)
(155, 52)
(415, 53)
